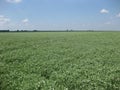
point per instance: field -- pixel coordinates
(60, 61)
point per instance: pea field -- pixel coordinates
(60, 61)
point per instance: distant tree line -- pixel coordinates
(47, 30)
(4, 30)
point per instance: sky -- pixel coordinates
(60, 14)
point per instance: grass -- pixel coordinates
(60, 61)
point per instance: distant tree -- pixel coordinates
(4, 30)
(17, 30)
(34, 30)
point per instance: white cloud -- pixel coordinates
(3, 20)
(14, 1)
(118, 15)
(104, 11)
(25, 20)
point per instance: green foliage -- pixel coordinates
(60, 61)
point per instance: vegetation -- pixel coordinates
(60, 61)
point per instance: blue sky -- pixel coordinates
(60, 14)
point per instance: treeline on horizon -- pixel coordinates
(56, 30)
(42, 30)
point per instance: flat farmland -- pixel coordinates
(60, 61)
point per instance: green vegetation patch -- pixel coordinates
(60, 61)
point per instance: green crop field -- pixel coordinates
(60, 61)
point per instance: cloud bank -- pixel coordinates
(25, 20)
(14, 1)
(3, 20)
(104, 11)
